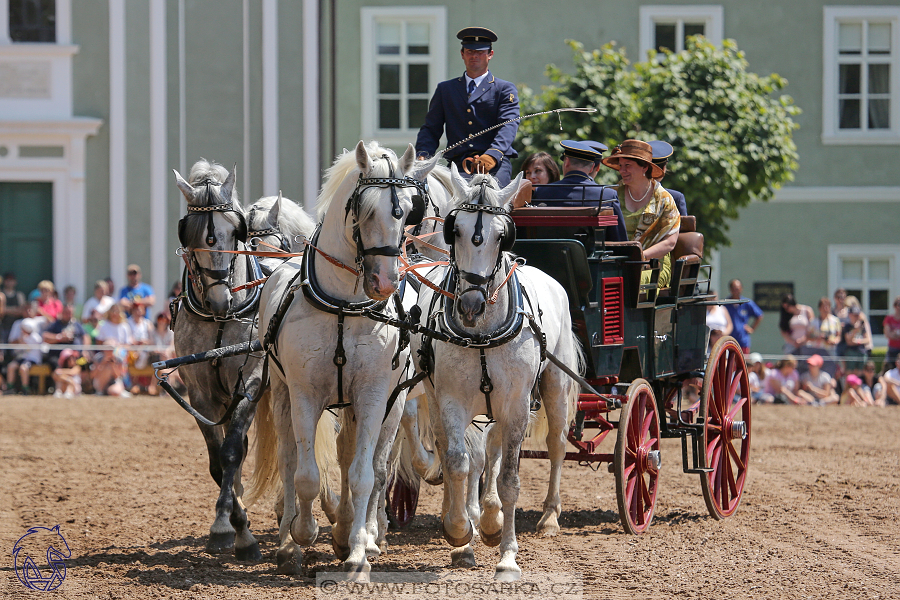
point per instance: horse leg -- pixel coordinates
(233, 452)
(376, 520)
(362, 482)
(491, 515)
(340, 532)
(304, 528)
(458, 530)
(555, 388)
(221, 533)
(422, 460)
(287, 558)
(508, 490)
(464, 556)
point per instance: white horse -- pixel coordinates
(325, 350)
(503, 325)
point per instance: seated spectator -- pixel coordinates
(757, 376)
(872, 380)
(817, 386)
(540, 169)
(69, 297)
(175, 291)
(718, 320)
(24, 331)
(67, 376)
(164, 340)
(794, 325)
(891, 382)
(892, 333)
(64, 330)
(855, 394)
(142, 333)
(111, 366)
(783, 382)
(101, 301)
(651, 216)
(824, 335)
(857, 337)
(662, 151)
(48, 305)
(136, 292)
(91, 326)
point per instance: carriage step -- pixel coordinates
(698, 471)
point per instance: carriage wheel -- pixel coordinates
(402, 499)
(725, 408)
(637, 458)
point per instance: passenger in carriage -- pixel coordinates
(581, 163)
(540, 169)
(651, 216)
(661, 153)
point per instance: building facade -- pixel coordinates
(93, 120)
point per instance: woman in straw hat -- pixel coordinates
(651, 215)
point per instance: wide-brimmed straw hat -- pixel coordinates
(635, 150)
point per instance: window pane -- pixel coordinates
(850, 38)
(852, 269)
(418, 79)
(848, 82)
(417, 111)
(879, 38)
(389, 114)
(417, 37)
(879, 270)
(388, 79)
(32, 21)
(880, 114)
(855, 293)
(879, 79)
(665, 36)
(694, 29)
(878, 300)
(876, 322)
(388, 38)
(849, 114)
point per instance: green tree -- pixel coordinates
(732, 134)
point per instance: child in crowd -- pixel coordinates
(856, 394)
(817, 385)
(891, 382)
(67, 376)
(783, 382)
(872, 380)
(757, 376)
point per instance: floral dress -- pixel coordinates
(651, 225)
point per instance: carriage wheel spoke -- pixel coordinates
(733, 388)
(737, 458)
(737, 406)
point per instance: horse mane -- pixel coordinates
(473, 196)
(292, 219)
(336, 176)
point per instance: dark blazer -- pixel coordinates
(578, 189)
(679, 201)
(492, 102)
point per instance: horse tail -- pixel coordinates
(265, 481)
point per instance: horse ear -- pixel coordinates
(408, 159)
(228, 187)
(421, 168)
(507, 194)
(362, 157)
(184, 186)
(275, 211)
(460, 185)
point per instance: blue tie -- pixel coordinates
(471, 86)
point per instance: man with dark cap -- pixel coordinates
(581, 162)
(469, 104)
(661, 153)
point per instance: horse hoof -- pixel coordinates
(506, 574)
(341, 552)
(220, 543)
(358, 573)
(463, 559)
(249, 554)
(491, 539)
(288, 565)
(303, 538)
(461, 541)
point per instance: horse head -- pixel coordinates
(478, 230)
(215, 222)
(389, 195)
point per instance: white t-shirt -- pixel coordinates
(893, 376)
(111, 334)
(101, 306)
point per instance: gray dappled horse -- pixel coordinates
(209, 315)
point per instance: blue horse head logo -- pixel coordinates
(38, 543)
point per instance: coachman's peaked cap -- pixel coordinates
(662, 151)
(580, 150)
(476, 38)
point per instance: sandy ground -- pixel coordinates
(127, 482)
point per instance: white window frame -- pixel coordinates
(836, 252)
(437, 64)
(834, 16)
(712, 15)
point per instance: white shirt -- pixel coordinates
(101, 306)
(477, 80)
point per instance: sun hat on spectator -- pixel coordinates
(753, 358)
(853, 380)
(815, 360)
(637, 150)
(65, 355)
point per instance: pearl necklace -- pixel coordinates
(644, 197)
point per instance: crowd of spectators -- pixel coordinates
(116, 323)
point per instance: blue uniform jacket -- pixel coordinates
(492, 102)
(578, 186)
(679, 201)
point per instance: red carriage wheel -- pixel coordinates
(725, 408)
(637, 458)
(402, 499)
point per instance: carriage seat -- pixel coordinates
(690, 241)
